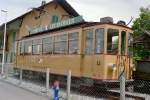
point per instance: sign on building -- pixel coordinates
(60, 24)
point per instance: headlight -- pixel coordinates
(133, 67)
(112, 66)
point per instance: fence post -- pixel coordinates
(122, 86)
(6, 70)
(47, 79)
(21, 72)
(68, 84)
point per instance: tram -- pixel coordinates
(91, 50)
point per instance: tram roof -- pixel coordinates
(79, 25)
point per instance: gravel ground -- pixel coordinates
(11, 92)
(40, 90)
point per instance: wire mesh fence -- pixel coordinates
(77, 88)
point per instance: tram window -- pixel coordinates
(99, 42)
(47, 45)
(89, 42)
(28, 47)
(73, 43)
(21, 47)
(130, 43)
(123, 42)
(37, 46)
(112, 41)
(60, 44)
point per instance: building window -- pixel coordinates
(112, 41)
(99, 42)
(73, 43)
(60, 44)
(89, 42)
(55, 19)
(47, 45)
(37, 46)
(1, 42)
(1, 56)
(28, 47)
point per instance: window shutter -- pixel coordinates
(55, 19)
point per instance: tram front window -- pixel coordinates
(123, 42)
(99, 41)
(89, 42)
(112, 41)
(130, 44)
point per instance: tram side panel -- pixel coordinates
(58, 64)
(98, 67)
(93, 67)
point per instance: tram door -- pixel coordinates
(94, 48)
(123, 51)
(88, 51)
(98, 53)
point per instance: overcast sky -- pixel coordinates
(91, 10)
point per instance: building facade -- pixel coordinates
(43, 16)
(55, 36)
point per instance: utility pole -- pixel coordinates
(68, 84)
(47, 79)
(122, 86)
(4, 45)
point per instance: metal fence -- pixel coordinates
(75, 88)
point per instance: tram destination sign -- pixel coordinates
(60, 24)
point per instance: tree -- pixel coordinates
(140, 26)
(142, 23)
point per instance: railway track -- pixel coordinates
(97, 92)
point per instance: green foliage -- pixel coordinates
(142, 23)
(140, 53)
(139, 26)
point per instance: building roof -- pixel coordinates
(63, 3)
(145, 37)
(67, 7)
(147, 32)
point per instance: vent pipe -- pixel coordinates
(121, 22)
(43, 3)
(106, 20)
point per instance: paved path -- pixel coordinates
(10, 92)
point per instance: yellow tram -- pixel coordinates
(89, 49)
